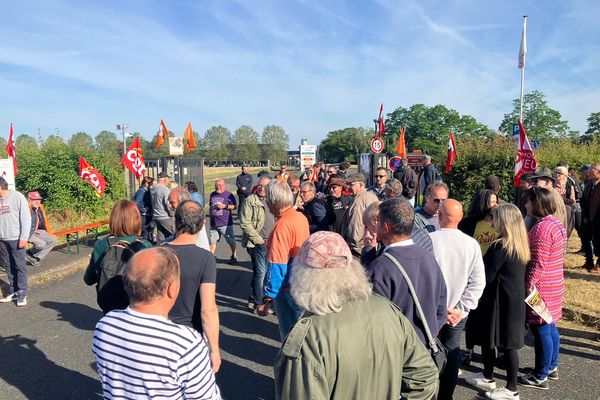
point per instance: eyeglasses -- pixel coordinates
(380, 176)
(438, 201)
(305, 191)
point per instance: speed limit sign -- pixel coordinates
(377, 145)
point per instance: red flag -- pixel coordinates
(11, 149)
(133, 159)
(189, 136)
(380, 122)
(451, 153)
(525, 158)
(163, 133)
(401, 144)
(90, 174)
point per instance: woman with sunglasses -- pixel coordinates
(547, 241)
(500, 315)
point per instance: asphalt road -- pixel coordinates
(45, 347)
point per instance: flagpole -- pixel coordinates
(523, 55)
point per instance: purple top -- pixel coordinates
(219, 218)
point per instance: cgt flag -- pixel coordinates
(401, 144)
(90, 174)
(189, 136)
(133, 159)
(380, 122)
(163, 133)
(525, 158)
(451, 153)
(11, 149)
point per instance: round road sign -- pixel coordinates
(395, 163)
(377, 145)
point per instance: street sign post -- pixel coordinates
(377, 145)
(395, 163)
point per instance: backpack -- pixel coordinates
(111, 293)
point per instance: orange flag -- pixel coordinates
(401, 144)
(163, 133)
(189, 136)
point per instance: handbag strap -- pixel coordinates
(430, 339)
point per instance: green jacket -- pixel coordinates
(252, 220)
(368, 350)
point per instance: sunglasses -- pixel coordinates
(438, 201)
(380, 176)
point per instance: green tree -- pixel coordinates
(427, 128)
(593, 129)
(215, 146)
(276, 143)
(245, 140)
(345, 144)
(81, 141)
(25, 143)
(541, 122)
(107, 142)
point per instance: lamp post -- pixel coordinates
(123, 129)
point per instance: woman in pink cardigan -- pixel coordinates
(547, 241)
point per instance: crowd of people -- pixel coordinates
(331, 257)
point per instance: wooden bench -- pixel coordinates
(74, 233)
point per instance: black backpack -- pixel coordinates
(111, 293)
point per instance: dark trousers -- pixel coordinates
(164, 228)
(450, 337)
(241, 200)
(16, 267)
(511, 360)
(258, 255)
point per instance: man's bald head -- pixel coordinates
(450, 213)
(148, 273)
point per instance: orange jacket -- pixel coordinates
(48, 227)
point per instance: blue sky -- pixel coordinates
(309, 66)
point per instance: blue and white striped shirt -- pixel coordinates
(142, 356)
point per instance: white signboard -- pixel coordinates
(175, 146)
(308, 155)
(7, 172)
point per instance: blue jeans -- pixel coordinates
(450, 337)
(288, 312)
(258, 255)
(547, 345)
(15, 264)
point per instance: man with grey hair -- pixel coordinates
(352, 227)
(325, 355)
(196, 305)
(393, 188)
(314, 209)
(256, 221)
(15, 225)
(394, 229)
(162, 214)
(289, 232)
(139, 352)
(179, 195)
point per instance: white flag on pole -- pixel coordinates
(523, 49)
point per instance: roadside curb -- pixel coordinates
(52, 274)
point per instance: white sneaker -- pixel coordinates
(479, 381)
(502, 394)
(8, 298)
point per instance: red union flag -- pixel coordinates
(380, 122)
(90, 174)
(11, 150)
(525, 158)
(133, 159)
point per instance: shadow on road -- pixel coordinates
(248, 349)
(249, 324)
(80, 316)
(27, 368)
(237, 382)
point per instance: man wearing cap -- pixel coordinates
(40, 236)
(15, 227)
(353, 228)
(350, 344)
(162, 214)
(337, 203)
(243, 182)
(543, 178)
(590, 204)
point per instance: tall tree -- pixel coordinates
(593, 129)
(107, 142)
(215, 145)
(275, 143)
(541, 122)
(245, 143)
(25, 143)
(82, 141)
(427, 128)
(345, 144)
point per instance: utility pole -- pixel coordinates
(123, 128)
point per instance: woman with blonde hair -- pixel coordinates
(500, 315)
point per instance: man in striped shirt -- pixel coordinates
(140, 353)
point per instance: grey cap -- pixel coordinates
(355, 178)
